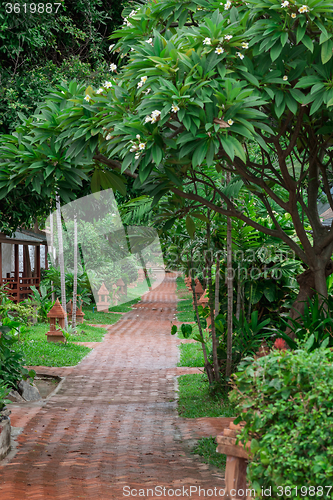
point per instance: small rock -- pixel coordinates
(15, 397)
(28, 392)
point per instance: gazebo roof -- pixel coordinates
(103, 290)
(120, 282)
(198, 288)
(57, 311)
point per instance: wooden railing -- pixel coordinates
(19, 290)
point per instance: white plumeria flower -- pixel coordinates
(240, 55)
(147, 91)
(285, 4)
(132, 13)
(133, 148)
(230, 122)
(174, 108)
(150, 41)
(227, 5)
(142, 146)
(144, 79)
(132, 49)
(111, 46)
(303, 9)
(87, 98)
(293, 15)
(137, 156)
(207, 41)
(154, 119)
(113, 67)
(228, 37)
(139, 85)
(156, 113)
(138, 137)
(219, 50)
(117, 50)
(107, 85)
(285, 78)
(148, 119)
(108, 137)
(99, 91)
(245, 45)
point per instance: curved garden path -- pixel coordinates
(113, 422)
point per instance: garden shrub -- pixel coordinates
(287, 400)
(12, 368)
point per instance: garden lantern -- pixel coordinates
(56, 314)
(79, 312)
(121, 285)
(103, 303)
(198, 290)
(141, 274)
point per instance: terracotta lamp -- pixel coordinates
(121, 285)
(56, 315)
(79, 312)
(141, 274)
(104, 302)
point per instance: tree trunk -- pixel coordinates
(309, 283)
(52, 253)
(61, 259)
(209, 262)
(239, 298)
(75, 274)
(217, 285)
(208, 366)
(230, 293)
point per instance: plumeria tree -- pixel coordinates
(244, 87)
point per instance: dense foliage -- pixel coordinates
(286, 400)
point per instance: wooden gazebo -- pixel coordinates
(18, 270)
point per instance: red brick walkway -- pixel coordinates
(113, 423)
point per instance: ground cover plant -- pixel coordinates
(206, 449)
(286, 400)
(191, 355)
(195, 400)
(126, 307)
(99, 318)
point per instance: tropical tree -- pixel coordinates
(244, 87)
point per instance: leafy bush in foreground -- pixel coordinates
(287, 400)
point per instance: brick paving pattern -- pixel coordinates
(113, 422)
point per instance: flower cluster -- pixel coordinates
(150, 41)
(207, 41)
(113, 67)
(303, 9)
(245, 45)
(228, 37)
(137, 147)
(240, 55)
(227, 5)
(111, 46)
(99, 91)
(142, 81)
(126, 21)
(107, 85)
(154, 117)
(285, 4)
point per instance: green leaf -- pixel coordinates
(326, 51)
(300, 33)
(173, 329)
(190, 226)
(95, 182)
(157, 154)
(199, 153)
(200, 216)
(276, 51)
(308, 42)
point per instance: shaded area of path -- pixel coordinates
(113, 422)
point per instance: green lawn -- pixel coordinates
(124, 307)
(191, 355)
(195, 400)
(37, 351)
(206, 448)
(185, 310)
(99, 318)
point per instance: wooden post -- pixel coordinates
(46, 262)
(37, 263)
(16, 272)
